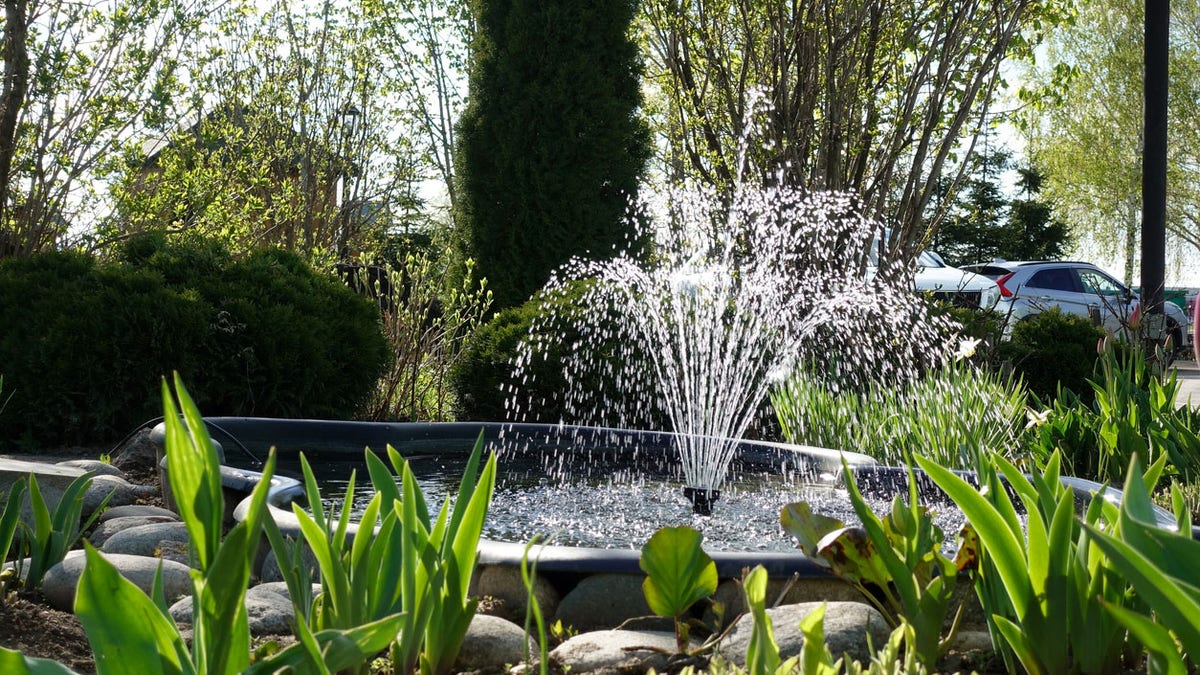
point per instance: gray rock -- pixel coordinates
(604, 601)
(780, 592)
(270, 571)
(847, 625)
(123, 493)
(138, 452)
(146, 540)
(95, 466)
(137, 510)
(504, 583)
(107, 528)
(280, 588)
(52, 481)
(615, 652)
(491, 644)
(179, 551)
(269, 609)
(61, 580)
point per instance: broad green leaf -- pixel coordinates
(11, 516)
(762, 654)
(878, 561)
(16, 663)
(1162, 651)
(1176, 605)
(338, 649)
(383, 480)
(469, 527)
(222, 605)
(678, 571)
(1021, 644)
(807, 526)
(467, 485)
(815, 657)
(852, 555)
(194, 474)
(127, 632)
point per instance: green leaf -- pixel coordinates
(11, 517)
(1005, 547)
(1175, 603)
(679, 572)
(762, 654)
(338, 649)
(194, 472)
(16, 663)
(807, 526)
(1162, 651)
(129, 635)
(1021, 644)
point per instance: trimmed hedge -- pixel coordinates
(83, 343)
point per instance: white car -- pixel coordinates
(1031, 287)
(946, 283)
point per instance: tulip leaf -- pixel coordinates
(679, 572)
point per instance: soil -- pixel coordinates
(30, 626)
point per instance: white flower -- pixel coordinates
(1036, 419)
(966, 348)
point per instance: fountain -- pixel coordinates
(735, 292)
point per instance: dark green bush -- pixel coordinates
(1051, 350)
(488, 389)
(484, 377)
(83, 344)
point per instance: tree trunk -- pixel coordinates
(12, 97)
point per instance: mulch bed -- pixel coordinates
(30, 626)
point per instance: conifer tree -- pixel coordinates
(551, 147)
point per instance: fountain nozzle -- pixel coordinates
(702, 499)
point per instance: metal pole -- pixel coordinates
(1154, 157)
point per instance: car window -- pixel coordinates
(1099, 284)
(1055, 279)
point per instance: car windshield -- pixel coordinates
(924, 258)
(927, 259)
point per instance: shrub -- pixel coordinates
(83, 346)
(486, 379)
(542, 336)
(88, 341)
(1052, 350)
(425, 324)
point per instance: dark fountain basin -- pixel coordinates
(621, 470)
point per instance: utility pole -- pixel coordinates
(1154, 157)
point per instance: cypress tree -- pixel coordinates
(551, 146)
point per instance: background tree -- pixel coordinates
(427, 43)
(1036, 233)
(1085, 126)
(984, 223)
(873, 97)
(80, 80)
(296, 141)
(550, 146)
